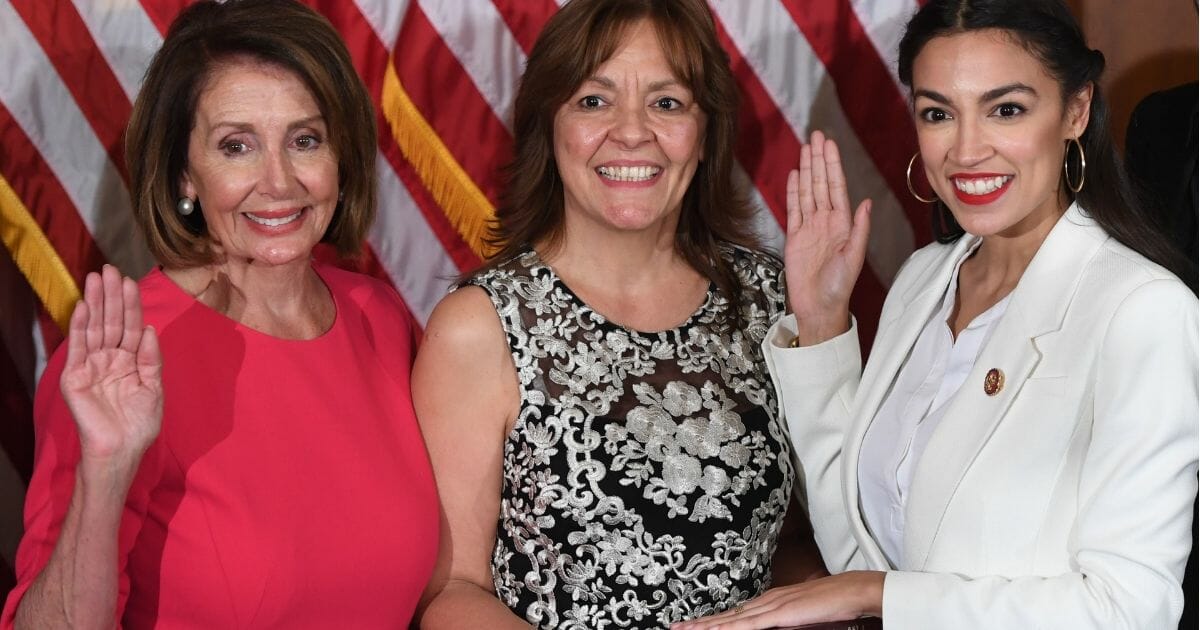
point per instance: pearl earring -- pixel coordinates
(185, 206)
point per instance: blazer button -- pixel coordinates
(993, 382)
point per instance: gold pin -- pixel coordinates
(993, 382)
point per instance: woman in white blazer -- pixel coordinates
(1020, 450)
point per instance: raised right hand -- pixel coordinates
(112, 380)
(826, 245)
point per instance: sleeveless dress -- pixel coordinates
(647, 475)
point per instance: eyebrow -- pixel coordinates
(608, 83)
(987, 96)
(244, 126)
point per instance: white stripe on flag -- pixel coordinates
(125, 36)
(41, 104)
(407, 247)
(884, 22)
(795, 79)
(385, 18)
(474, 31)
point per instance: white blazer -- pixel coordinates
(1062, 501)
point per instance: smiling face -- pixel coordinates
(259, 164)
(992, 125)
(628, 141)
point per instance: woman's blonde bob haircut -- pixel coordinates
(281, 33)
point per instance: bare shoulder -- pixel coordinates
(465, 320)
(465, 349)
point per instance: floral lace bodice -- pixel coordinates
(647, 475)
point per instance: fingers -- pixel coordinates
(820, 176)
(114, 311)
(149, 358)
(860, 232)
(839, 196)
(131, 335)
(794, 217)
(77, 336)
(804, 194)
(93, 297)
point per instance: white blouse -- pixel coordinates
(935, 369)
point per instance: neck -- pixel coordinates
(1002, 258)
(288, 301)
(636, 279)
(641, 260)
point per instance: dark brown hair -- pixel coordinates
(282, 33)
(1048, 30)
(574, 43)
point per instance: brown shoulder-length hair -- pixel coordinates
(282, 33)
(574, 43)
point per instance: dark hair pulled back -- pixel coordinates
(1048, 30)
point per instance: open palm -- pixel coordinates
(826, 244)
(112, 380)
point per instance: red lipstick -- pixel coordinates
(979, 200)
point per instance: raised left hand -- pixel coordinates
(835, 598)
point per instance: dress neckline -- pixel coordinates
(194, 304)
(705, 305)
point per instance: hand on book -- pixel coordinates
(841, 597)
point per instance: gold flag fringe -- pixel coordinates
(461, 200)
(36, 257)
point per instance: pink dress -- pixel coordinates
(289, 487)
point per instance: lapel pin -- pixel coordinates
(993, 382)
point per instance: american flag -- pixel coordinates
(443, 74)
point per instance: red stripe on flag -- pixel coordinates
(67, 42)
(525, 18)
(163, 12)
(370, 60)
(881, 121)
(767, 149)
(443, 92)
(36, 185)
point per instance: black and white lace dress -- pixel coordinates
(647, 475)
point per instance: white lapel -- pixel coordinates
(1034, 316)
(921, 294)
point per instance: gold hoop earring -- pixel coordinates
(908, 180)
(1082, 166)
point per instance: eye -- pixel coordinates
(934, 114)
(667, 103)
(233, 147)
(591, 102)
(307, 142)
(1008, 110)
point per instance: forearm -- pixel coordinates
(78, 588)
(462, 604)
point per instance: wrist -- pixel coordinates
(870, 589)
(815, 329)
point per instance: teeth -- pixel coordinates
(981, 186)
(275, 222)
(628, 173)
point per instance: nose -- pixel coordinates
(632, 125)
(970, 144)
(278, 176)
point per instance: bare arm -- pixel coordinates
(112, 384)
(466, 396)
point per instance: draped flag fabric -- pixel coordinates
(443, 74)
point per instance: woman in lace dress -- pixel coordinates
(603, 432)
